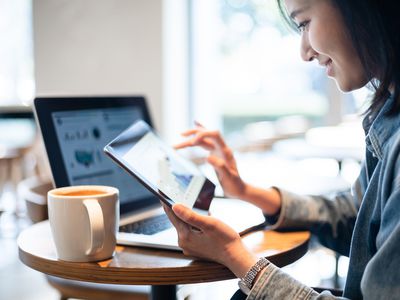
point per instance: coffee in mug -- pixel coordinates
(84, 222)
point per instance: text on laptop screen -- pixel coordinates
(82, 135)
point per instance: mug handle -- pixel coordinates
(96, 224)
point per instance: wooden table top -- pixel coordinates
(144, 266)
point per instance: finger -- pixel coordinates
(228, 153)
(206, 143)
(184, 144)
(198, 124)
(178, 223)
(214, 135)
(199, 127)
(190, 132)
(229, 158)
(190, 217)
(219, 165)
(179, 146)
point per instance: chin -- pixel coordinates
(346, 86)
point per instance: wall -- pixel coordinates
(99, 47)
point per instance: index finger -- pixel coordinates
(190, 217)
(191, 131)
(205, 143)
(198, 124)
(184, 144)
(213, 135)
(178, 224)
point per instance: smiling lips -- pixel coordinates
(329, 68)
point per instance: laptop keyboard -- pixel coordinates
(148, 226)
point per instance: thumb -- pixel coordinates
(219, 165)
(190, 217)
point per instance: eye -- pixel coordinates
(303, 26)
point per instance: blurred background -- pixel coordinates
(231, 65)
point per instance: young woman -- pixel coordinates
(358, 42)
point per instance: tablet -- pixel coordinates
(171, 177)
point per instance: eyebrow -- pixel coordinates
(298, 11)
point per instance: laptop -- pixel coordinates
(76, 129)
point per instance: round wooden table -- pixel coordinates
(162, 269)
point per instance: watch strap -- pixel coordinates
(246, 283)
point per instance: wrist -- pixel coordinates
(239, 260)
(268, 200)
(244, 190)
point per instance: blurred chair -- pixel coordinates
(17, 134)
(12, 166)
(341, 142)
(262, 135)
(34, 191)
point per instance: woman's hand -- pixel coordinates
(223, 161)
(208, 238)
(220, 157)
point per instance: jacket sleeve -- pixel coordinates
(273, 283)
(331, 219)
(381, 276)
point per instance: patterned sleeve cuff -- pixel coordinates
(273, 283)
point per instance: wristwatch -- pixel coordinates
(246, 283)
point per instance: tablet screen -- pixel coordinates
(160, 168)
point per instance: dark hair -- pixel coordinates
(374, 27)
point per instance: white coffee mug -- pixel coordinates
(84, 222)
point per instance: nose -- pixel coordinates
(306, 51)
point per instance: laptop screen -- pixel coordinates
(75, 133)
(82, 135)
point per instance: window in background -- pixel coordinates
(16, 53)
(249, 81)
(247, 68)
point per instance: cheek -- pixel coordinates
(322, 38)
(350, 68)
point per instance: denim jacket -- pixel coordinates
(363, 223)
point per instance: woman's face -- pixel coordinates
(324, 37)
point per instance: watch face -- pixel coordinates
(244, 288)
